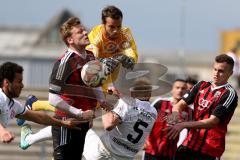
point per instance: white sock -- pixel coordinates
(41, 135)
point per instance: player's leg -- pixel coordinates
(92, 141)
(32, 103)
(68, 143)
(28, 139)
(94, 148)
(43, 106)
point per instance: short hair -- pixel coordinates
(112, 12)
(191, 80)
(142, 84)
(65, 29)
(8, 71)
(179, 80)
(225, 58)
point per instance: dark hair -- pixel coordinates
(191, 80)
(179, 80)
(112, 12)
(225, 58)
(65, 29)
(142, 84)
(235, 49)
(8, 71)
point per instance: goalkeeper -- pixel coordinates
(113, 43)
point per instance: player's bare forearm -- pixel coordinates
(205, 123)
(181, 105)
(173, 131)
(45, 119)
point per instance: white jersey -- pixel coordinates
(9, 108)
(127, 138)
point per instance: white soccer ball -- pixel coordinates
(92, 73)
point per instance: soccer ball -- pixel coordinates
(92, 73)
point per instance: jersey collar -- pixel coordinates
(218, 87)
(83, 54)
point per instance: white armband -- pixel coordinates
(56, 101)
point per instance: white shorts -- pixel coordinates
(95, 150)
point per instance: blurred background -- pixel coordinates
(183, 35)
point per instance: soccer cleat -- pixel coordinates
(25, 131)
(28, 105)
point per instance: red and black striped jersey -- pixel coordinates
(221, 102)
(66, 77)
(158, 143)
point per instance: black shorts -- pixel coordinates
(148, 156)
(184, 153)
(68, 143)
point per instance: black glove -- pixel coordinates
(127, 62)
(110, 63)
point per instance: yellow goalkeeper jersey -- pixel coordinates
(102, 47)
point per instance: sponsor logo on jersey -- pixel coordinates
(203, 103)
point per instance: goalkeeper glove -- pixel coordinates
(127, 62)
(110, 63)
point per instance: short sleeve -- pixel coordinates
(226, 105)
(121, 109)
(19, 108)
(190, 95)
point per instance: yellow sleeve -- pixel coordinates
(42, 105)
(95, 38)
(131, 48)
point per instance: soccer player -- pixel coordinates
(190, 83)
(214, 104)
(11, 86)
(126, 126)
(183, 134)
(113, 42)
(66, 71)
(157, 145)
(111, 39)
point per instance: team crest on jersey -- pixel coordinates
(217, 94)
(110, 47)
(78, 66)
(202, 91)
(203, 103)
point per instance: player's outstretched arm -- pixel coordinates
(173, 131)
(45, 119)
(56, 101)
